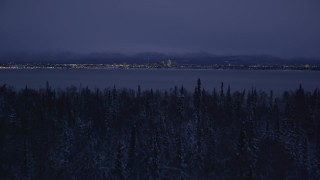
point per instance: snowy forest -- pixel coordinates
(83, 133)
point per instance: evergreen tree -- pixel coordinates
(132, 154)
(118, 171)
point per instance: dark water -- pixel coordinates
(276, 80)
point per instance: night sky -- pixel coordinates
(285, 28)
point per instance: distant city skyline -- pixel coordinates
(279, 28)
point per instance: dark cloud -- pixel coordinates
(274, 27)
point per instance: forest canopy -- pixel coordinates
(80, 133)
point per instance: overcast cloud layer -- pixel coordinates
(286, 28)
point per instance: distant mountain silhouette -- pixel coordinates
(151, 57)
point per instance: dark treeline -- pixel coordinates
(79, 133)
